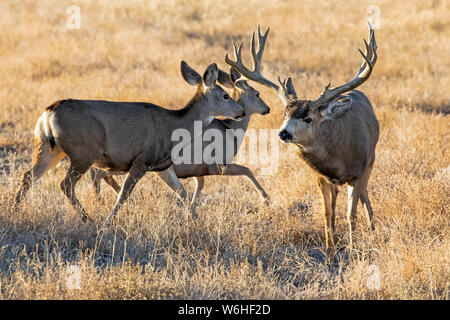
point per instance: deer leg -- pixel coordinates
(134, 175)
(199, 184)
(96, 177)
(45, 158)
(109, 179)
(325, 190)
(364, 197)
(334, 193)
(68, 184)
(172, 181)
(354, 191)
(237, 170)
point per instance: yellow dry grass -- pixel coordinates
(131, 50)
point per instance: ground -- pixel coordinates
(237, 248)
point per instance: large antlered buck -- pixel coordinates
(336, 134)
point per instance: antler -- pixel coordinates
(364, 72)
(288, 89)
(255, 75)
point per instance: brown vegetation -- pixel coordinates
(131, 51)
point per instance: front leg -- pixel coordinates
(199, 183)
(237, 170)
(325, 188)
(136, 172)
(334, 193)
(171, 180)
(354, 191)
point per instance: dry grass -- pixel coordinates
(238, 249)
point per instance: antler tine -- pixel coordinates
(287, 91)
(290, 89)
(237, 52)
(256, 64)
(282, 92)
(282, 83)
(370, 56)
(254, 75)
(364, 72)
(238, 65)
(257, 55)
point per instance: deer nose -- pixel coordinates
(266, 112)
(284, 135)
(242, 115)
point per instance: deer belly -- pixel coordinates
(105, 162)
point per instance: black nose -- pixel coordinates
(266, 112)
(284, 135)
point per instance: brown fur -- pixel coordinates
(339, 150)
(248, 98)
(131, 137)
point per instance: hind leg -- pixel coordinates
(364, 197)
(45, 158)
(109, 179)
(199, 184)
(334, 193)
(68, 184)
(96, 177)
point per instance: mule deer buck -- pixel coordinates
(133, 137)
(336, 135)
(249, 99)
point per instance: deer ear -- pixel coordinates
(337, 109)
(190, 75)
(235, 75)
(225, 80)
(242, 84)
(210, 76)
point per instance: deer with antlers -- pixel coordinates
(247, 97)
(336, 134)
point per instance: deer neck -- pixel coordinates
(194, 114)
(234, 125)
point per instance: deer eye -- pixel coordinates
(307, 120)
(257, 94)
(226, 96)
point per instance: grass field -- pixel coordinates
(238, 248)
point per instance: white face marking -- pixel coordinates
(286, 126)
